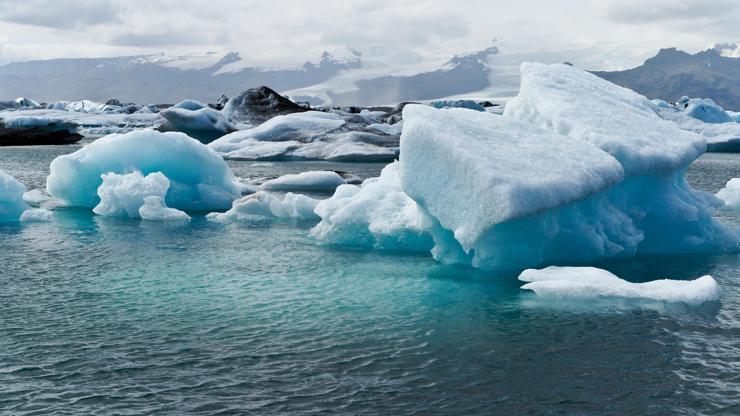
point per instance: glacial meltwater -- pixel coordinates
(116, 316)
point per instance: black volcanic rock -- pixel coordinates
(257, 105)
(672, 74)
(36, 136)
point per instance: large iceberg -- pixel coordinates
(199, 179)
(377, 214)
(590, 282)
(204, 124)
(577, 169)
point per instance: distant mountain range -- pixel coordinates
(671, 74)
(375, 76)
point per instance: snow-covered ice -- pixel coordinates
(265, 205)
(199, 177)
(311, 181)
(706, 110)
(730, 194)
(590, 282)
(377, 214)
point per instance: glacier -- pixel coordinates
(199, 178)
(590, 282)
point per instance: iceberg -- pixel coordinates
(377, 214)
(204, 124)
(577, 169)
(311, 181)
(590, 282)
(706, 110)
(36, 215)
(191, 105)
(11, 198)
(264, 205)
(720, 137)
(199, 178)
(730, 194)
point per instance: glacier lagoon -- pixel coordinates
(105, 315)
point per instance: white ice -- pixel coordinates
(730, 194)
(11, 198)
(123, 195)
(154, 209)
(264, 205)
(200, 179)
(377, 214)
(311, 181)
(590, 282)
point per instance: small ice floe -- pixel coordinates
(36, 215)
(311, 181)
(590, 282)
(264, 205)
(730, 194)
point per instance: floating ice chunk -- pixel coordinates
(623, 123)
(720, 137)
(264, 205)
(377, 214)
(154, 209)
(730, 194)
(36, 215)
(707, 111)
(35, 197)
(389, 129)
(11, 198)
(204, 124)
(199, 178)
(123, 195)
(312, 181)
(589, 282)
(192, 105)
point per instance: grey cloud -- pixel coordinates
(59, 14)
(640, 12)
(155, 40)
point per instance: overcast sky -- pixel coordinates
(42, 29)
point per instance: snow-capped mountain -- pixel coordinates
(369, 76)
(671, 74)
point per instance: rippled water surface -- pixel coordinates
(106, 316)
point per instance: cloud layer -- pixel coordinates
(43, 29)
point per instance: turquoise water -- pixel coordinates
(109, 316)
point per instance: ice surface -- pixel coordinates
(720, 137)
(204, 124)
(83, 123)
(312, 181)
(11, 198)
(470, 105)
(200, 179)
(265, 205)
(589, 282)
(390, 129)
(377, 214)
(154, 209)
(123, 195)
(623, 123)
(192, 105)
(35, 197)
(730, 194)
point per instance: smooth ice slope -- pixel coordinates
(377, 214)
(204, 124)
(504, 194)
(620, 121)
(200, 179)
(264, 205)
(11, 198)
(730, 194)
(590, 282)
(706, 110)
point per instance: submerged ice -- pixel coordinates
(590, 282)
